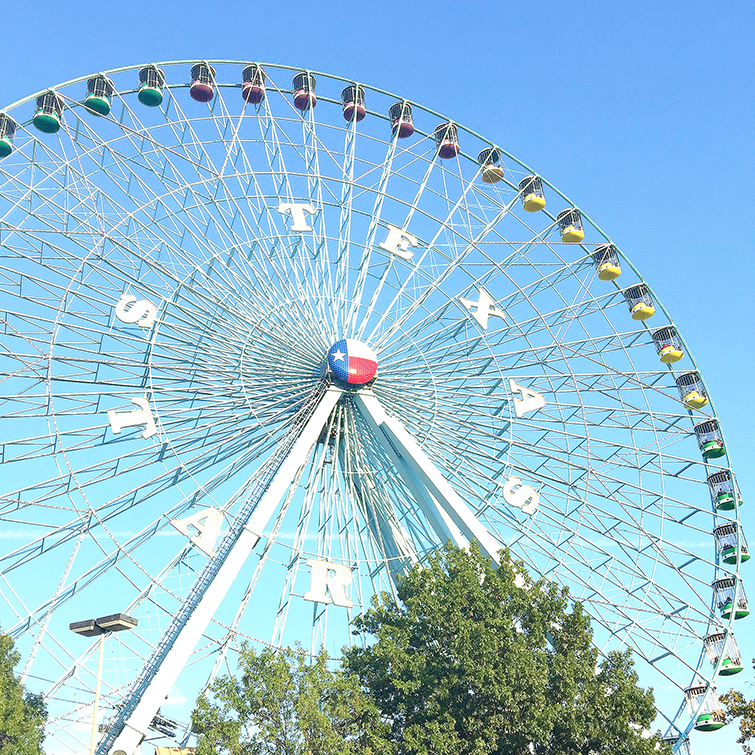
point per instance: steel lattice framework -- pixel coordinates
(171, 279)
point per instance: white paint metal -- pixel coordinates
(137, 725)
(130, 310)
(530, 401)
(439, 520)
(379, 513)
(140, 416)
(398, 242)
(521, 496)
(484, 308)
(297, 212)
(207, 523)
(328, 583)
(397, 441)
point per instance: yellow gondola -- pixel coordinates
(570, 226)
(489, 161)
(533, 196)
(691, 390)
(640, 302)
(606, 260)
(668, 344)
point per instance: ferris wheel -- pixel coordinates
(270, 337)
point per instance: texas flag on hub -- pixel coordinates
(352, 361)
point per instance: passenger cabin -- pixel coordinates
(731, 543)
(639, 301)
(531, 191)
(151, 86)
(489, 161)
(99, 98)
(710, 440)
(720, 644)
(570, 225)
(691, 390)
(400, 114)
(723, 494)
(447, 140)
(730, 598)
(253, 84)
(606, 260)
(305, 94)
(7, 134)
(703, 703)
(48, 113)
(673, 738)
(202, 87)
(352, 102)
(668, 344)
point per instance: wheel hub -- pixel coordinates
(352, 362)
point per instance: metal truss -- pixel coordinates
(171, 279)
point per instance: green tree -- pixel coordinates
(737, 706)
(286, 704)
(22, 715)
(478, 660)
(472, 660)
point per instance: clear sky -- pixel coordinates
(640, 112)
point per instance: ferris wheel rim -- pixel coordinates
(334, 202)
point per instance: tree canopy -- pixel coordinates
(22, 715)
(476, 659)
(284, 703)
(736, 705)
(472, 660)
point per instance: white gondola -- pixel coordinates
(720, 644)
(731, 543)
(730, 598)
(703, 702)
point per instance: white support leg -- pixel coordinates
(418, 471)
(389, 534)
(439, 520)
(137, 725)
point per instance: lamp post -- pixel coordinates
(116, 622)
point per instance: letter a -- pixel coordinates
(529, 402)
(207, 523)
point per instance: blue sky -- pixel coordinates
(640, 112)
